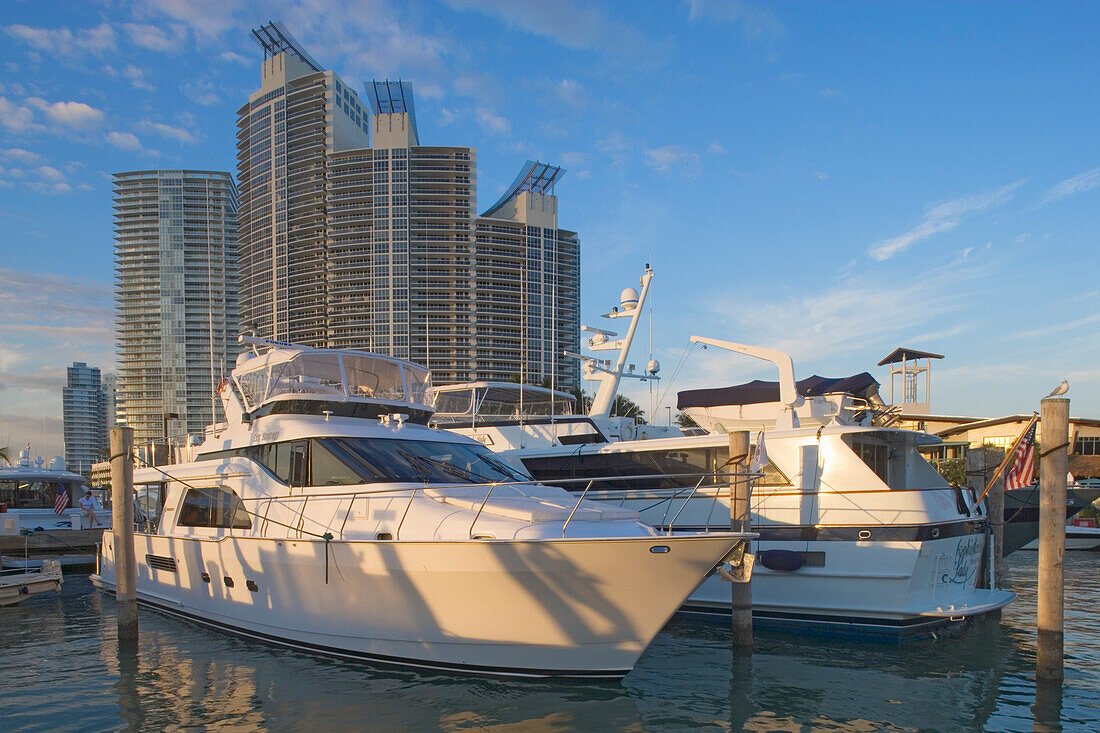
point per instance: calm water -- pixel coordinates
(60, 669)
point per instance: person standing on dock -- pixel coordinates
(87, 508)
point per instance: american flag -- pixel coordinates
(1023, 470)
(61, 499)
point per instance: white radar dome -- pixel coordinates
(629, 299)
(57, 463)
(653, 366)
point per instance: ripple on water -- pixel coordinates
(62, 671)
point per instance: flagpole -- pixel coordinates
(1008, 454)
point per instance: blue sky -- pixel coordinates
(835, 180)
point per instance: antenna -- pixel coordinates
(602, 371)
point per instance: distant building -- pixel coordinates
(175, 297)
(110, 405)
(84, 412)
(346, 244)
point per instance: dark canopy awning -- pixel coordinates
(903, 354)
(860, 385)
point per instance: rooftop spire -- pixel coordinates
(274, 39)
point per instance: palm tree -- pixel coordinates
(4, 455)
(685, 420)
(626, 407)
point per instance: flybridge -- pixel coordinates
(291, 372)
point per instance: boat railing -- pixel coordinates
(575, 507)
(299, 522)
(298, 500)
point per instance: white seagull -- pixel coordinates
(1060, 390)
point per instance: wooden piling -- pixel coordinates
(122, 515)
(1052, 537)
(741, 599)
(996, 506)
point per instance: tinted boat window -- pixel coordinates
(663, 469)
(213, 507)
(327, 469)
(421, 460)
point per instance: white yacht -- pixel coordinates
(858, 533)
(29, 491)
(325, 515)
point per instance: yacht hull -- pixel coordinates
(853, 579)
(865, 589)
(529, 608)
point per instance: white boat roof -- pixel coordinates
(293, 372)
(40, 473)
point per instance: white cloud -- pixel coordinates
(157, 37)
(831, 93)
(614, 143)
(854, 313)
(137, 78)
(756, 22)
(49, 174)
(574, 158)
(26, 157)
(1080, 183)
(124, 141)
(493, 123)
(673, 158)
(942, 218)
(716, 148)
(1060, 327)
(821, 175)
(568, 23)
(65, 42)
(235, 57)
(174, 133)
(201, 92)
(17, 117)
(207, 18)
(448, 116)
(39, 337)
(75, 115)
(571, 92)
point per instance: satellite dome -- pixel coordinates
(629, 299)
(653, 366)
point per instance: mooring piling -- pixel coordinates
(1052, 538)
(122, 519)
(740, 488)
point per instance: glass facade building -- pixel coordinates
(84, 412)
(175, 296)
(355, 235)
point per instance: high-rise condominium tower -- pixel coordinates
(175, 295)
(84, 411)
(349, 244)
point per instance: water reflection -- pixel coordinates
(63, 670)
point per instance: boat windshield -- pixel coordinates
(331, 376)
(502, 402)
(359, 460)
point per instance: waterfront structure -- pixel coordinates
(175, 295)
(352, 243)
(84, 413)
